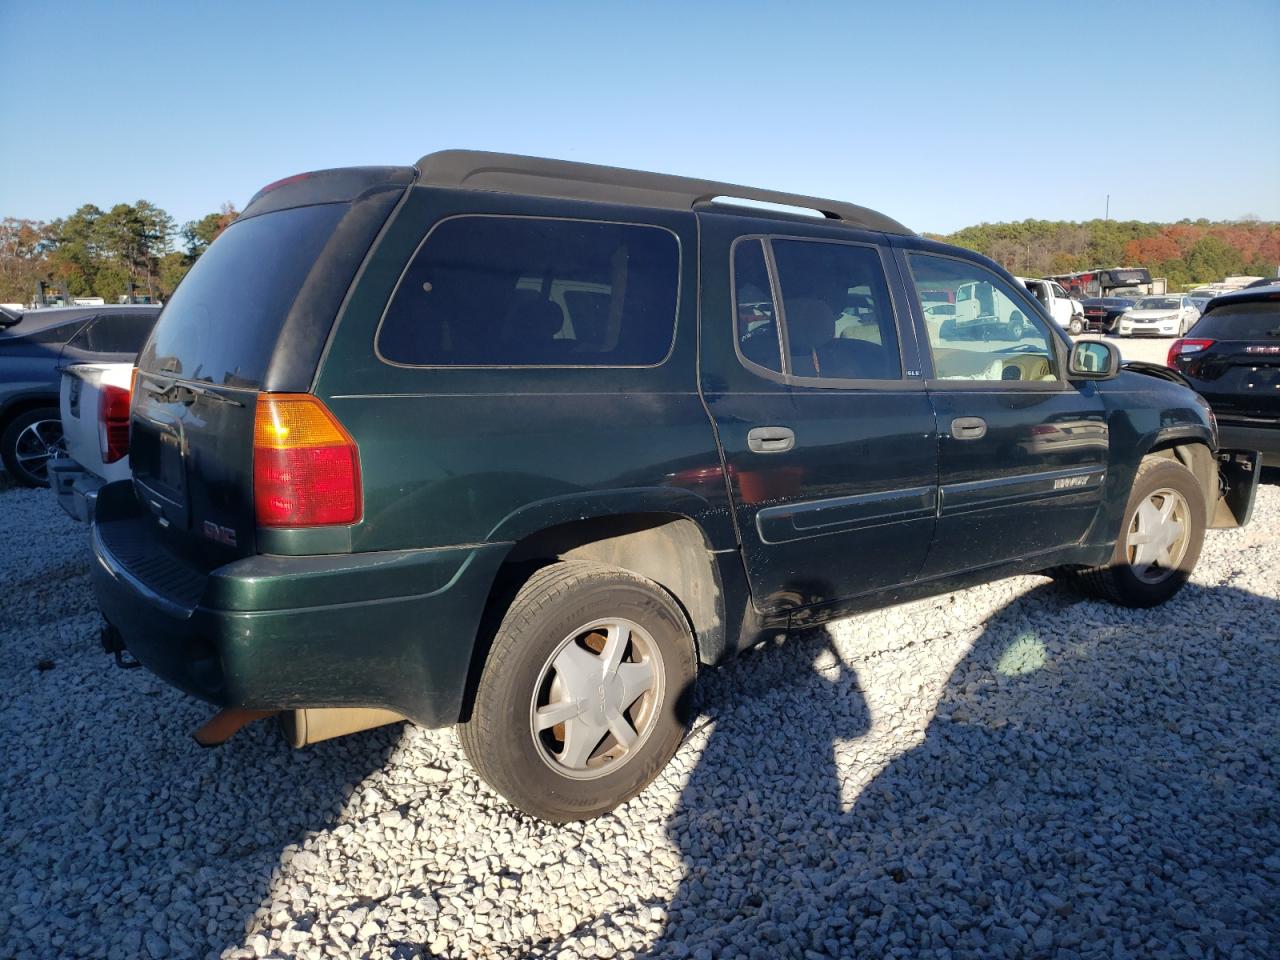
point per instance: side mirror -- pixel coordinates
(1093, 360)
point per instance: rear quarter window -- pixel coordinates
(1240, 321)
(525, 291)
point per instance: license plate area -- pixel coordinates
(157, 452)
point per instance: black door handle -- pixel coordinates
(968, 428)
(771, 439)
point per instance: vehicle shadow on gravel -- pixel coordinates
(1092, 782)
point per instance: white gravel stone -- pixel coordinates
(1004, 771)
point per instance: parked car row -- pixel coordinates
(1166, 315)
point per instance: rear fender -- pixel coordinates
(659, 533)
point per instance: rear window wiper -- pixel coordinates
(185, 393)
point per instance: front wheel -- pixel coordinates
(1075, 327)
(580, 703)
(1159, 542)
(29, 442)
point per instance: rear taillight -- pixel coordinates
(306, 467)
(113, 423)
(1184, 348)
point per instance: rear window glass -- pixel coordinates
(1240, 321)
(116, 333)
(510, 291)
(223, 321)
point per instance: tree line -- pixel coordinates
(97, 252)
(100, 253)
(1187, 253)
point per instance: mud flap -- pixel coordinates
(1238, 475)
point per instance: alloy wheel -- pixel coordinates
(597, 698)
(1158, 535)
(38, 443)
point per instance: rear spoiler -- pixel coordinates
(339, 185)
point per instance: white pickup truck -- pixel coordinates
(94, 401)
(1067, 313)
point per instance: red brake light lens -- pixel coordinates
(1184, 348)
(113, 423)
(306, 467)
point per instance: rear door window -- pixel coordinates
(838, 318)
(1241, 321)
(528, 291)
(223, 321)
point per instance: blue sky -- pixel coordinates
(939, 114)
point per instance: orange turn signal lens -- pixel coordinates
(306, 467)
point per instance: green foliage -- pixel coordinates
(98, 252)
(198, 234)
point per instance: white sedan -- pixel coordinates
(1165, 316)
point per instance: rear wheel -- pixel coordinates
(578, 707)
(1015, 328)
(29, 442)
(1159, 542)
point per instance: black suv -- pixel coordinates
(520, 445)
(34, 347)
(1232, 357)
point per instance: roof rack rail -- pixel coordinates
(512, 173)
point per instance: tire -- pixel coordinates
(548, 641)
(1015, 330)
(1129, 584)
(1075, 327)
(27, 444)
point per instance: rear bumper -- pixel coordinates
(389, 629)
(1266, 440)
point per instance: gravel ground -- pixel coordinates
(1004, 771)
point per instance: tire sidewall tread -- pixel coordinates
(553, 602)
(1116, 581)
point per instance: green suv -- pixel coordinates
(521, 445)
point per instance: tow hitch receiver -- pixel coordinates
(113, 643)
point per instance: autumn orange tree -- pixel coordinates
(1187, 252)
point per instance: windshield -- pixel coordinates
(223, 321)
(1158, 303)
